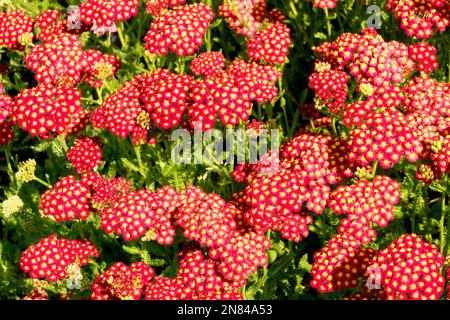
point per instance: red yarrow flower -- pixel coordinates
(325, 4)
(420, 18)
(122, 282)
(244, 16)
(6, 131)
(410, 269)
(384, 137)
(156, 7)
(425, 56)
(229, 94)
(105, 13)
(142, 214)
(271, 44)
(197, 279)
(63, 62)
(85, 155)
(52, 27)
(373, 200)
(67, 200)
(179, 30)
(46, 111)
(208, 63)
(51, 257)
(16, 29)
(157, 99)
(104, 192)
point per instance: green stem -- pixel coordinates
(8, 162)
(137, 151)
(328, 23)
(99, 94)
(208, 43)
(447, 251)
(293, 8)
(42, 182)
(448, 78)
(62, 141)
(265, 271)
(268, 233)
(150, 65)
(333, 127)
(286, 120)
(374, 169)
(442, 230)
(413, 215)
(122, 39)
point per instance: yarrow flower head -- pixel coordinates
(425, 56)
(330, 86)
(104, 192)
(308, 165)
(46, 111)
(336, 265)
(325, 4)
(26, 169)
(63, 62)
(229, 94)
(67, 200)
(240, 256)
(11, 206)
(337, 268)
(99, 67)
(51, 26)
(122, 282)
(384, 137)
(420, 18)
(247, 16)
(6, 131)
(425, 174)
(208, 63)
(448, 281)
(204, 217)
(142, 214)
(197, 279)
(155, 99)
(50, 257)
(410, 269)
(85, 155)
(104, 13)
(271, 44)
(339, 264)
(368, 58)
(374, 199)
(60, 61)
(156, 7)
(179, 30)
(38, 293)
(16, 29)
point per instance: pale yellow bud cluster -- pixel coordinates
(363, 173)
(322, 66)
(26, 170)
(11, 206)
(366, 89)
(26, 38)
(104, 70)
(318, 103)
(437, 146)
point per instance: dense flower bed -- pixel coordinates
(350, 201)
